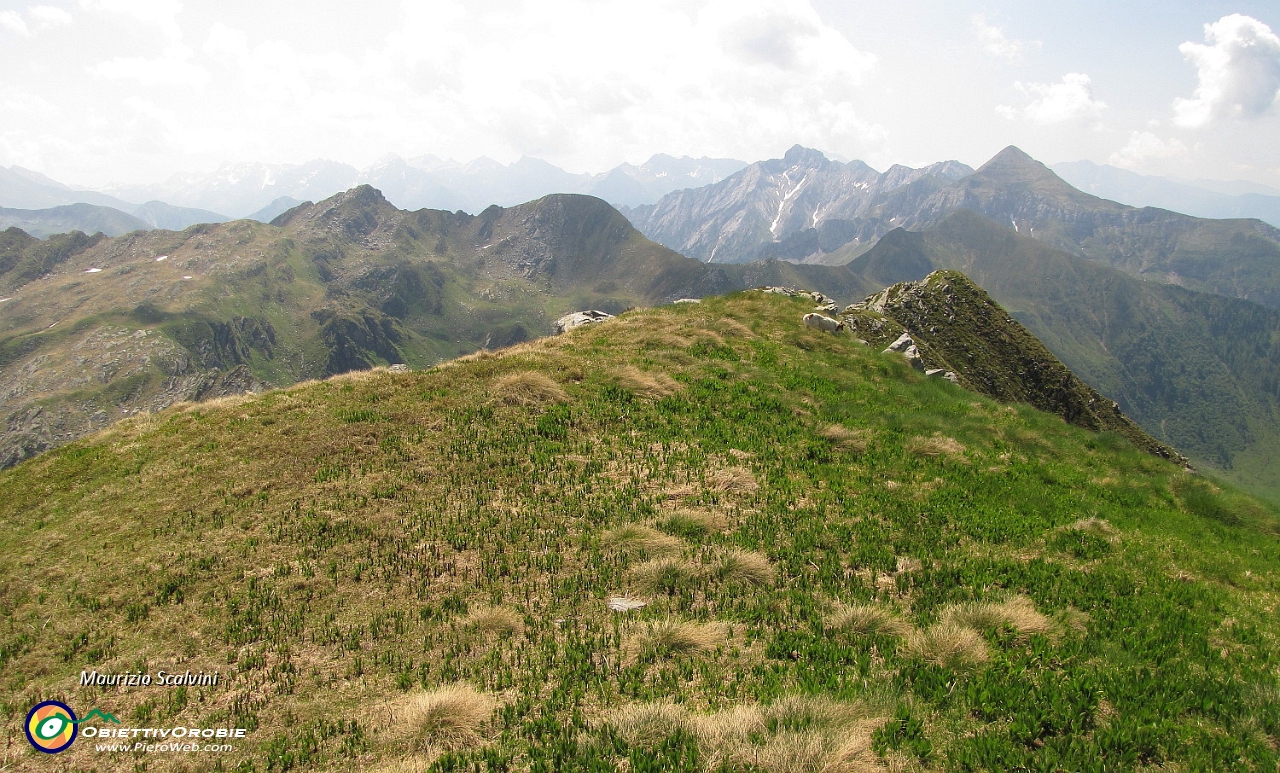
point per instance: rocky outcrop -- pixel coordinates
(950, 325)
(578, 319)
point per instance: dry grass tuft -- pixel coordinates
(936, 446)
(1094, 525)
(745, 568)
(692, 524)
(842, 437)
(948, 644)
(664, 575)
(1017, 613)
(672, 638)
(406, 765)
(450, 716)
(633, 536)
(805, 712)
(797, 733)
(802, 752)
(528, 387)
(735, 328)
(494, 621)
(867, 620)
(733, 480)
(227, 401)
(725, 737)
(648, 724)
(642, 384)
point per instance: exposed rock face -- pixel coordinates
(789, 208)
(32, 429)
(578, 319)
(952, 325)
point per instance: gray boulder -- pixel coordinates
(578, 319)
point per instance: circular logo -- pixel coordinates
(51, 726)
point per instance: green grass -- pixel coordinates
(338, 548)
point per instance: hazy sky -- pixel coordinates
(94, 91)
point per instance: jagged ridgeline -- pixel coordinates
(692, 538)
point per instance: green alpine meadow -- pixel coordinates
(694, 537)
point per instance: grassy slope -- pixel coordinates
(1197, 371)
(326, 545)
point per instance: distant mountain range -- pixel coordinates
(798, 207)
(805, 207)
(1202, 198)
(263, 191)
(428, 182)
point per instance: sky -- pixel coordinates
(96, 92)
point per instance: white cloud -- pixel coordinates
(1237, 69)
(10, 20)
(1051, 103)
(157, 14)
(552, 78)
(175, 66)
(1144, 147)
(48, 16)
(995, 43)
(39, 17)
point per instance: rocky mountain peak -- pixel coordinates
(1014, 165)
(799, 155)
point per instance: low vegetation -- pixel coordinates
(413, 571)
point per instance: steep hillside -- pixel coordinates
(696, 538)
(956, 327)
(1198, 371)
(93, 329)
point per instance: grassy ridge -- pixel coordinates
(844, 564)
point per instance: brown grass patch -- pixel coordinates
(735, 328)
(636, 537)
(644, 384)
(673, 638)
(1016, 613)
(745, 568)
(796, 733)
(450, 716)
(664, 575)
(947, 644)
(842, 437)
(406, 765)
(733, 480)
(726, 737)
(494, 621)
(648, 724)
(936, 446)
(1094, 525)
(528, 387)
(867, 620)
